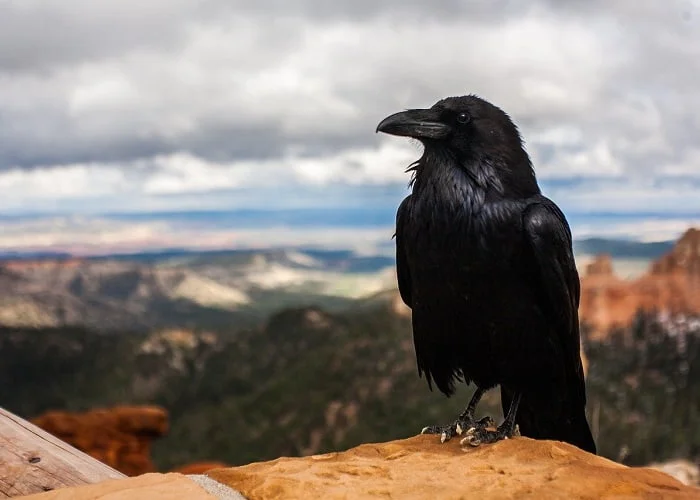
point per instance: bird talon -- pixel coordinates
(471, 440)
(443, 437)
(425, 429)
(458, 429)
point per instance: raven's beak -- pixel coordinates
(416, 123)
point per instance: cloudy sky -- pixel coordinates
(119, 118)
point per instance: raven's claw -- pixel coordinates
(478, 436)
(458, 427)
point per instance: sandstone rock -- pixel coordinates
(120, 437)
(414, 468)
(199, 467)
(601, 265)
(421, 467)
(684, 258)
(145, 487)
(671, 287)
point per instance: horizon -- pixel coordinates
(363, 230)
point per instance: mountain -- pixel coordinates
(683, 258)
(215, 290)
(328, 259)
(670, 288)
(113, 295)
(622, 249)
(336, 260)
(209, 289)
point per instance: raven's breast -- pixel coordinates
(473, 307)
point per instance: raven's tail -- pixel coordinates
(540, 419)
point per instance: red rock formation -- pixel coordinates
(671, 286)
(683, 259)
(120, 437)
(602, 265)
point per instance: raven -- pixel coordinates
(485, 262)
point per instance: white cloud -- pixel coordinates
(185, 174)
(91, 235)
(67, 181)
(614, 196)
(384, 165)
(596, 161)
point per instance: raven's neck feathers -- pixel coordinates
(505, 176)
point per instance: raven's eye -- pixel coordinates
(463, 117)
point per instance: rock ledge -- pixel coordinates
(421, 467)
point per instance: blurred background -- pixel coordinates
(196, 215)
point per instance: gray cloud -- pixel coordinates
(39, 36)
(601, 89)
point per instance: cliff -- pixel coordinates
(415, 468)
(671, 287)
(683, 259)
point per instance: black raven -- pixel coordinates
(485, 262)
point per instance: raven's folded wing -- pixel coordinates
(549, 238)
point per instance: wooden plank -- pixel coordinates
(33, 461)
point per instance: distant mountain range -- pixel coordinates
(208, 289)
(342, 259)
(622, 249)
(339, 260)
(179, 288)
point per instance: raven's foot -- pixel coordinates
(459, 427)
(477, 436)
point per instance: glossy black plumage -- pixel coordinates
(485, 262)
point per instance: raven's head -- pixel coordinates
(480, 136)
(467, 125)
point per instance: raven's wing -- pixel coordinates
(549, 238)
(402, 270)
(557, 285)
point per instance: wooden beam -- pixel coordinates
(32, 460)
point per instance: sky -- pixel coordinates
(118, 119)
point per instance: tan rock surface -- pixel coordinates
(145, 487)
(422, 468)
